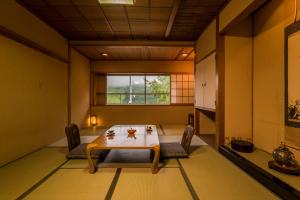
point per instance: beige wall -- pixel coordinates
(207, 126)
(15, 18)
(80, 88)
(238, 80)
(269, 23)
(206, 43)
(33, 103)
(231, 11)
(109, 115)
(33, 85)
(142, 114)
(142, 66)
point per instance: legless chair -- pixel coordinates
(178, 150)
(76, 149)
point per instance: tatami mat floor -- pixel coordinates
(206, 175)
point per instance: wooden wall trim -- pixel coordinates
(69, 84)
(158, 60)
(131, 43)
(220, 91)
(31, 44)
(256, 4)
(209, 54)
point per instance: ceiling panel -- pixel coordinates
(147, 19)
(91, 12)
(164, 53)
(138, 13)
(160, 13)
(141, 3)
(120, 25)
(68, 12)
(114, 12)
(81, 25)
(162, 3)
(193, 16)
(170, 53)
(99, 25)
(59, 2)
(86, 2)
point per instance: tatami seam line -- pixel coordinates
(188, 182)
(27, 192)
(113, 184)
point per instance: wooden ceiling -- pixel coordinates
(147, 20)
(172, 53)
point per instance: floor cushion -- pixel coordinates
(172, 150)
(79, 152)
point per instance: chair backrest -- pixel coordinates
(73, 136)
(187, 138)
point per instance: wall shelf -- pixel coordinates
(276, 185)
(209, 112)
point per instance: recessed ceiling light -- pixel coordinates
(184, 54)
(125, 2)
(104, 54)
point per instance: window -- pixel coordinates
(142, 89)
(138, 89)
(182, 88)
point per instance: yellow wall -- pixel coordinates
(80, 89)
(207, 126)
(15, 18)
(238, 80)
(206, 43)
(109, 115)
(269, 23)
(33, 100)
(143, 66)
(142, 114)
(231, 11)
(34, 88)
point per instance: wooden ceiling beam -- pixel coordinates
(172, 17)
(131, 43)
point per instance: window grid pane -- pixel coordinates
(182, 88)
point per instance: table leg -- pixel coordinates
(92, 168)
(155, 162)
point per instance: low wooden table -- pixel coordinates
(141, 140)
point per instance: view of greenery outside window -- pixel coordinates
(138, 89)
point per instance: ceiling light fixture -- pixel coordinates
(104, 54)
(184, 54)
(124, 2)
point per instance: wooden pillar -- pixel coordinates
(220, 86)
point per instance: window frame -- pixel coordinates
(94, 93)
(135, 93)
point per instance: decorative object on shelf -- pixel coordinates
(284, 161)
(292, 69)
(283, 156)
(94, 120)
(242, 145)
(292, 170)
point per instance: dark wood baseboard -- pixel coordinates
(277, 186)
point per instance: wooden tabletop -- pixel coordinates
(140, 140)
